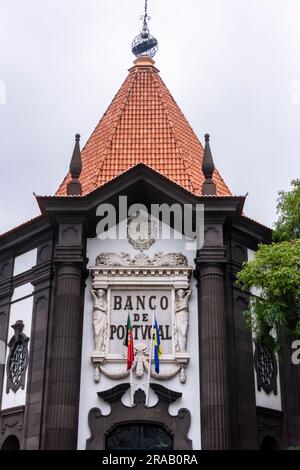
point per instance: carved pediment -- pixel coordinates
(101, 426)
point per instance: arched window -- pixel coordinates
(11, 443)
(137, 436)
(269, 443)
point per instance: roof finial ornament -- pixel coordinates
(74, 186)
(208, 167)
(144, 44)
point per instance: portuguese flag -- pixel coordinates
(129, 344)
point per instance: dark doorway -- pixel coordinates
(269, 443)
(11, 443)
(139, 437)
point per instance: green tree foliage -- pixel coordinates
(288, 207)
(275, 272)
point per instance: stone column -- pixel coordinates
(215, 425)
(42, 282)
(65, 349)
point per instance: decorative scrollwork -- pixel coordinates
(159, 260)
(266, 369)
(18, 358)
(17, 363)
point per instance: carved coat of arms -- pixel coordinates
(141, 231)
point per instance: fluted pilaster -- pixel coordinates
(214, 381)
(64, 375)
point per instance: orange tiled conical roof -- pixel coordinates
(143, 124)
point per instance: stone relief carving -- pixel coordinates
(181, 322)
(265, 364)
(100, 319)
(141, 231)
(212, 236)
(17, 360)
(158, 260)
(141, 366)
(162, 271)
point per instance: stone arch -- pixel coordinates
(11, 443)
(269, 443)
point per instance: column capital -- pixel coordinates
(210, 259)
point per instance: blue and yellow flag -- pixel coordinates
(157, 347)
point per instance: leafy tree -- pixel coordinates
(288, 225)
(275, 272)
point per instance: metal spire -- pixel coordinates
(144, 44)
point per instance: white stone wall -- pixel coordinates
(21, 309)
(190, 390)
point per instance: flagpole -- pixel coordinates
(150, 358)
(131, 374)
(131, 387)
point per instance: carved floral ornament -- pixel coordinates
(265, 364)
(139, 285)
(141, 260)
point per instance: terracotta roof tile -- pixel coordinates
(143, 124)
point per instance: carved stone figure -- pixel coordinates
(181, 318)
(100, 319)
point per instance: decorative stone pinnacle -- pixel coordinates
(74, 187)
(208, 167)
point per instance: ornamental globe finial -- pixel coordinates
(144, 44)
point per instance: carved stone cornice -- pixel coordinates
(142, 260)
(212, 254)
(115, 269)
(69, 254)
(210, 259)
(42, 273)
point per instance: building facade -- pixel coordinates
(67, 286)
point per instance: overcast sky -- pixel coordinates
(233, 66)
